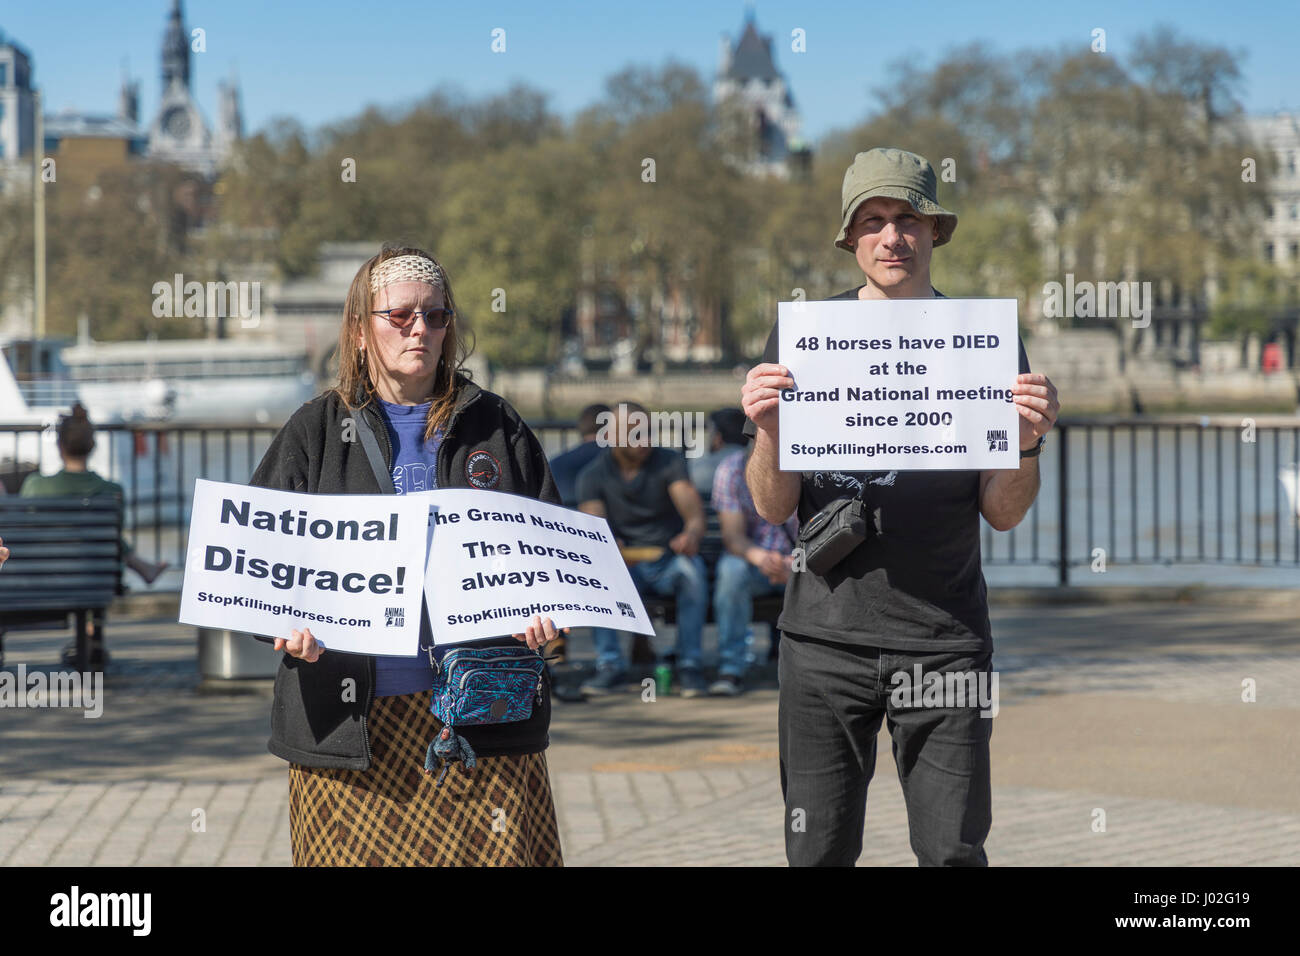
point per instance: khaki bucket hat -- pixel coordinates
(894, 174)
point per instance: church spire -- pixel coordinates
(128, 100)
(175, 50)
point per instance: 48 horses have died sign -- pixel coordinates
(899, 384)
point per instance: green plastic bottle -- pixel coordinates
(663, 679)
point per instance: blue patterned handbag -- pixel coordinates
(471, 685)
(480, 685)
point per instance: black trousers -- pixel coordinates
(832, 699)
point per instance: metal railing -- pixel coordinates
(1188, 490)
(1194, 489)
(156, 466)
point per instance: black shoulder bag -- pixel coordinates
(832, 533)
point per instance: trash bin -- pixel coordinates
(228, 658)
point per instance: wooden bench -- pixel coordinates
(65, 559)
(766, 608)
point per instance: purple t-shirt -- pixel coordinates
(415, 468)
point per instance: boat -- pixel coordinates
(176, 382)
(171, 382)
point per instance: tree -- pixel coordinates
(109, 242)
(510, 228)
(669, 216)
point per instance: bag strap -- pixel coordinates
(371, 446)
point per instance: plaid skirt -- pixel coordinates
(499, 814)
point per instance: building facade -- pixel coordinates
(757, 100)
(1280, 234)
(17, 115)
(178, 132)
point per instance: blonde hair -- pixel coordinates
(356, 384)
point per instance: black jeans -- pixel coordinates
(831, 701)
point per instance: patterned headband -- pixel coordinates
(405, 269)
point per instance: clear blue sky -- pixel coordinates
(328, 59)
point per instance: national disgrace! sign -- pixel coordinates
(899, 384)
(350, 567)
(354, 568)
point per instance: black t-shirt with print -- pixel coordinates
(919, 584)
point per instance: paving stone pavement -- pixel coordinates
(1196, 679)
(714, 817)
(170, 777)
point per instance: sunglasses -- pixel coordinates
(405, 318)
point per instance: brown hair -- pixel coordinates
(75, 433)
(355, 385)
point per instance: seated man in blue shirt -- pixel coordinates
(658, 519)
(566, 466)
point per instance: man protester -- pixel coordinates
(756, 563)
(658, 519)
(912, 594)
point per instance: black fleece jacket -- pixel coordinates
(317, 718)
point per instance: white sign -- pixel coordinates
(899, 384)
(350, 567)
(497, 559)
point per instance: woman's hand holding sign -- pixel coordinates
(539, 633)
(302, 645)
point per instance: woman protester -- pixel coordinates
(356, 729)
